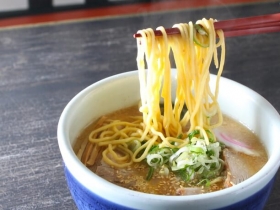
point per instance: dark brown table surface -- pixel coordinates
(43, 67)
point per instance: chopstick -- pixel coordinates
(239, 27)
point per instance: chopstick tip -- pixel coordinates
(136, 35)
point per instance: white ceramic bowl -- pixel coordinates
(92, 192)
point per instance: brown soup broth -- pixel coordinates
(134, 176)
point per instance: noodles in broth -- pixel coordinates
(193, 91)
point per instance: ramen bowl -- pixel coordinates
(90, 191)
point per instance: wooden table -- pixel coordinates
(43, 67)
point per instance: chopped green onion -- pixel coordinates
(154, 160)
(182, 174)
(196, 149)
(204, 182)
(210, 136)
(210, 153)
(175, 149)
(165, 152)
(193, 133)
(200, 36)
(197, 160)
(180, 136)
(200, 30)
(150, 173)
(153, 148)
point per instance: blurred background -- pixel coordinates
(12, 8)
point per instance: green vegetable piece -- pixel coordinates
(153, 149)
(193, 133)
(210, 153)
(200, 36)
(150, 173)
(210, 136)
(196, 149)
(185, 173)
(204, 182)
(175, 149)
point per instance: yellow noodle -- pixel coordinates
(114, 163)
(117, 141)
(147, 146)
(192, 91)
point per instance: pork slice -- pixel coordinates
(237, 168)
(121, 177)
(107, 173)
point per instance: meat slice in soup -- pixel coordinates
(237, 168)
(189, 191)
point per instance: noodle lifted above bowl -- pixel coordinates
(175, 132)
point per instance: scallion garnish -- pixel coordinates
(180, 136)
(192, 134)
(210, 136)
(200, 36)
(150, 173)
(195, 160)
